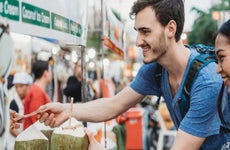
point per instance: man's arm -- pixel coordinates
(53, 114)
(185, 141)
(107, 108)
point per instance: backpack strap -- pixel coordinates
(198, 63)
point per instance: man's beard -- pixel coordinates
(158, 53)
(159, 50)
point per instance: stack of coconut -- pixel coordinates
(65, 137)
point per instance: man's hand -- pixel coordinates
(53, 114)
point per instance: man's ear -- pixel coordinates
(171, 28)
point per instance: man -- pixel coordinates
(37, 96)
(21, 82)
(159, 24)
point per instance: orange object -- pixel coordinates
(98, 136)
(121, 118)
(106, 87)
(134, 129)
(108, 122)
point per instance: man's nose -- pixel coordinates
(139, 40)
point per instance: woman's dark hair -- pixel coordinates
(165, 10)
(223, 31)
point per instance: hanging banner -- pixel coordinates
(113, 32)
(65, 21)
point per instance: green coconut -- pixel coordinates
(46, 130)
(31, 139)
(65, 138)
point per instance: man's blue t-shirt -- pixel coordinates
(202, 118)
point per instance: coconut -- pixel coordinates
(68, 137)
(46, 130)
(31, 138)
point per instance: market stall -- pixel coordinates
(31, 23)
(61, 22)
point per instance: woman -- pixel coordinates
(73, 85)
(222, 45)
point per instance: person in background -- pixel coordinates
(222, 49)
(37, 96)
(159, 25)
(14, 125)
(73, 85)
(21, 82)
(50, 86)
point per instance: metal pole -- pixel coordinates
(84, 90)
(102, 52)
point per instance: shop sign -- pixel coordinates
(60, 23)
(63, 20)
(110, 44)
(113, 31)
(75, 28)
(35, 15)
(10, 9)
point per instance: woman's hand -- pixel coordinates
(94, 145)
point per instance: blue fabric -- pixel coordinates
(226, 113)
(226, 107)
(202, 118)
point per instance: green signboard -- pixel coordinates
(35, 15)
(60, 23)
(23, 12)
(75, 29)
(10, 9)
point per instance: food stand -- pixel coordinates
(62, 21)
